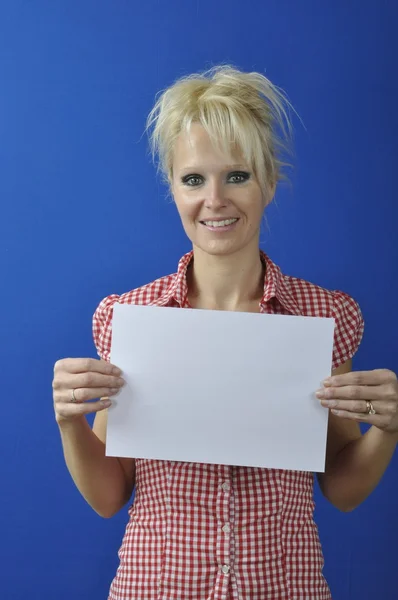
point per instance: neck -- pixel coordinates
(226, 282)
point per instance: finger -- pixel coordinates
(359, 406)
(68, 410)
(353, 406)
(83, 365)
(64, 380)
(353, 392)
(380, 421)
(85, 394)
(92, 380)
(359, 378)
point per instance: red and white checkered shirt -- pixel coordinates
(217, 532)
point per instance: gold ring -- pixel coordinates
(73, 399)
(369, 408)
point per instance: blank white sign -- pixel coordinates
(220, 387)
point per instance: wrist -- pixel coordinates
(389, 436)
(65, 424)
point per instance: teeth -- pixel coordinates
(220, 223)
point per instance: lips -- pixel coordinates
(214, 223)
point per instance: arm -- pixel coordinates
(354, 463)
(106, 483)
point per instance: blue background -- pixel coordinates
(83, 215)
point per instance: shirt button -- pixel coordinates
(225, 569)
(225, 486)
(226, 528)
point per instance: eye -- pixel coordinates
(192, 180)
(239, 176)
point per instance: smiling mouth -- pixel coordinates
(223, 223)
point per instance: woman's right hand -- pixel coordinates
(79, 380)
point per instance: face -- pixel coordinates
(218, 198)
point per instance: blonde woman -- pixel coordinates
(203, 531)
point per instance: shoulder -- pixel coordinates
(154, 293)
(314, 300)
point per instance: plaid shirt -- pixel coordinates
(217, 532)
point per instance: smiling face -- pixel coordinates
(218, 197)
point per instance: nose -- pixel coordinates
(215, 196)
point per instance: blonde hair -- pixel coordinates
(237, 109)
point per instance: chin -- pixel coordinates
(218, 248)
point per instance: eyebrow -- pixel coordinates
(227, 167)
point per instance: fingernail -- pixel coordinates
(106, 402)
(116, 371)
(327, 381)
(329, 403)
(320, 394)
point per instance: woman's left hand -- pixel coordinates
(367, 396)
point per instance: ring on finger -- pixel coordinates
(73, 398)
(370, 408)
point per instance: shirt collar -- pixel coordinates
(177, 291)
(275, 286)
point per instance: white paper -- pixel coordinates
(220, 387)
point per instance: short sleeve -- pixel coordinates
(102, 326)
(349, 327)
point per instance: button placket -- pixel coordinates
(224, 500)
(167, 503)
(169, 478)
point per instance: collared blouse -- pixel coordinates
(218, 532)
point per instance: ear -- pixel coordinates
(170, 193)
(170, 181)
(271, 189)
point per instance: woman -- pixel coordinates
(200, 531)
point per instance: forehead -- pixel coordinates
(196, 148)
